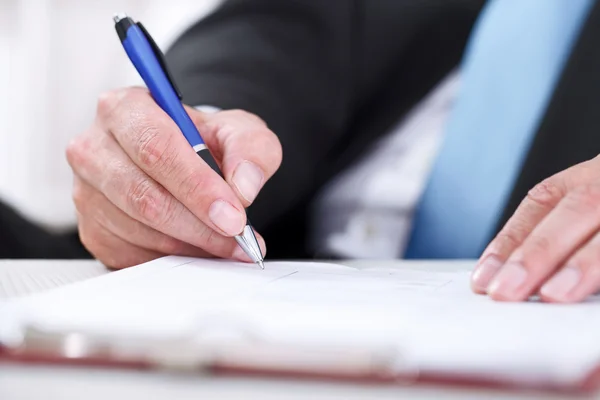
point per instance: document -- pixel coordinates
(36, 276)
(428, 320)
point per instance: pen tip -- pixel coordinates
(261, 264)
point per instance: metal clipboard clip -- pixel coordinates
(218, 346)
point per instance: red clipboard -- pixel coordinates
(339, 365)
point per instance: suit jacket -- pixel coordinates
(330, 77)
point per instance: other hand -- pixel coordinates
(551, 245)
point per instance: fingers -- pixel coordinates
(111, 250)
(540, 201)
(107, 216)
(569, 226)
(154, 143)
(248, 151)
(98, 160)
(579, 278)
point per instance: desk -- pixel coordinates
(24, 383)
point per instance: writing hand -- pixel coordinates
(141, 191)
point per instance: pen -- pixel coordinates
(150, 63)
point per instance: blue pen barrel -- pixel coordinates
(148, 66)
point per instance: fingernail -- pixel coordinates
(240, 254)
(485, 272)
(248, 180)
(226, 217)
(561, 284)
(508, 281)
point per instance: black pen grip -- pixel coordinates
(208, 158)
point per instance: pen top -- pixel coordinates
(118, 17)
(122, 24)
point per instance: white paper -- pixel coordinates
(431, 319)
(23, 278)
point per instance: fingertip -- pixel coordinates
(559, 299)
(499, 297)
(226, 217)
(497, 293)
(548, 299)
(477, 290)
(562, 287)
(484, 272)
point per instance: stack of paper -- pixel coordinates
(29, 277)
(422, 321)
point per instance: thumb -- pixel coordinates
(247, 151)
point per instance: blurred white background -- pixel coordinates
(56, 57)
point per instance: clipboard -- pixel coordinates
(243, 350)
(254, 359)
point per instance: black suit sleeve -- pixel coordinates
(289, 62)
(310, 67)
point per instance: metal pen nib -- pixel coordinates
(248, 243)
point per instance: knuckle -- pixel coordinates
(246, 116)
(506, 239)
(195, 192)
(76, 151)
(107, 102)
(537, 244)
(254, 118)
(72, 152)
(79, 196)
(275, 154)
(585, 199)
(155, 151)
(515, 231)
(144, 200)
(545, 194)
(149, 145)
(170, 212)
(89, 238)
(153, 204)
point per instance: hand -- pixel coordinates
(141, 191)
(551, 245)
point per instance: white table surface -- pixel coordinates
(20, 382)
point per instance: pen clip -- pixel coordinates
(161, 59)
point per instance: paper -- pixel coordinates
(22, 278)
(431, 318)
